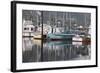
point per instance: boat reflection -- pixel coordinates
(35, 51)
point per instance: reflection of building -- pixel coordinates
(27, 44)
(54, 51)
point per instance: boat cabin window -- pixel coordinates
(31, 29)
(26, 28)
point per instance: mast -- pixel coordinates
(37, 19)
(85, 26)
(63, 20)
(85, 19)
(70, 21)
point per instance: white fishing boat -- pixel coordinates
(38, 36)
(28, 28)
(38, 33)
(77, 38)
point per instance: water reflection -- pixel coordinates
(35, 51)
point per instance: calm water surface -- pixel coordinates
(35, 51)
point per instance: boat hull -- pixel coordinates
(60, 36)
(39, 37)
(84, 40)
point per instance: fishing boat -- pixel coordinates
(39, 36)
(28, 28)
(82, 35)
(84, 40)
(77, 38)
(60, 36)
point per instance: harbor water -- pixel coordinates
(47, 51)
